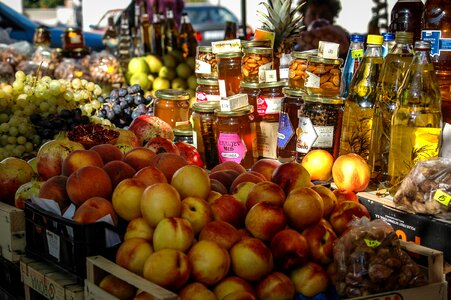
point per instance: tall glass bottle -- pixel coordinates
(358, 112)
(171, 33)
(392, 74)
(436, 28)
(187, 37)
(417, 120)
(353, 59)
(406, 16)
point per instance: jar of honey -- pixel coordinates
(172, 106)
(229, 73)
(236, 136)
(269, 100)
(206, 63)
(204, 126)
(207, 90)
(73, 39)
(254, 63)
(323, 76)
(252, 89)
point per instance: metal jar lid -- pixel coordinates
(324, 100)
(205, 106)
(171, 94)
(258, 50)
(235, 113)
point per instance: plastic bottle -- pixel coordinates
(358, 112)
(406, 16)
(436, 28)
(187, 37)
(392, 74)
(353, 59)
(388, 44)
(417, 120)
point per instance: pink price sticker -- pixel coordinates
(231, 147)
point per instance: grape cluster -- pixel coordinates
(123, 105)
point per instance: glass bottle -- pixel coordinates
(110, 38)
(417, 120)
(436, 28)
(388, 44)
(187, 37)
(171, 33)
(406, 16)
(392, 74)
(155, 35)
(358, 111)
(353, 59)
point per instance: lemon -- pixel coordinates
(166, 72)
(160, 84)
(183, 71)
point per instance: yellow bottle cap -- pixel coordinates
(375, 39)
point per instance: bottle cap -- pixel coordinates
(388, 36)
(404, 37)
(374, 39)
(357, 38)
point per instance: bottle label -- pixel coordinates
(312, 80)
(357, 53)
(231, 147)
(438, 44)
(202, 67)
(268, 106)
(285, 131)
(306, 135)
(202, 97)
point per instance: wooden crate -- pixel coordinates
(98, 267)
(49, 281)
(12, 232)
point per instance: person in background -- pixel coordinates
(319, 22)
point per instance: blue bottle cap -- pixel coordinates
(357, 38)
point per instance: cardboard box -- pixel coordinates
(423, 230)
(98, 267)
(49, 281)
(12, 232)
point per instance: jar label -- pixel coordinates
(202, 97)
(202, 67)
(325, 136)
(268, 106)
(438, 43)
(312, 80)
(285, 131)
(231, 147)
(306, 135)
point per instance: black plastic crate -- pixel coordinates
(65, 242)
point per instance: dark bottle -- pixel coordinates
(406, 16)
(171, 33)
(436, 28)
(111, 38)
(230, 30)
(187, 37)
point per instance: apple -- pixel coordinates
(310, 279)
(264, 220)
(190, 153)
(13, 173)
(126, 198)
(291, 175)
(93, 209)
(139, 228)
(221, 232)
(54, 188)
(132, 254)
(229, 209)
(173, 233)
(290, 249)
(159, 144)
(344, 212)
(275, 286)
(303, 207)
(210, 262)
(265, 191)
(191, 180)
(266, 167)
(321, 238)
(26, 191)
(251, 259)
(138, 157)
(343, 195)
(146, 127)
(159, 201)
(197, 211)
(80, 158)
(351, 172)
(329, 198)
(168, 268)
(196, 291)
(117, 287)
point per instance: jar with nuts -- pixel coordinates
(254, 63)
(206, 63)
(323, 76)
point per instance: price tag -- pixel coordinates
(372, 243)
(53, 243)
(442, 197)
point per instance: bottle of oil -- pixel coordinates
(392, 74)
(358, 112)
(187, 37)
(436, 28)
(406, 16)
(353, 59)
(171, 33)
(417, 120)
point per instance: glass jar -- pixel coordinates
(229, 73)
(73, 39)
(297, 70)
(249, 44)
(319, 125)
(254, 63)
(269, 100)
(183, 133)
(204, 127)
(172, 106)
(252, 89)
(236, 136)
(323, 76)
(206, 63)
(288, 124)
(207, 90)
(42, 37)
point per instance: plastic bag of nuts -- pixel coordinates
(323, 76)
(254, 62)
(206, 63)
(105, 69)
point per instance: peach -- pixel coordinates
(197, 211)
(117, 287)
(303, 207)
(88, 182)
(275, 286)
(139, 228)
(150, 175)
(248, 176)
(80, 158)
(223, 233)
(229, 165)
(138, 157)
(55, 189)
(126, 198)
(191, 181)
(290, 249)
(132, 254)
(196, 291)
(217, 186)
(232, 284)
(229, 209)
(351, 172)
(329, 198)
(108, 152)
(265, 191)
(291, 175)
(168, 163)
(159, 201)
(264, 220)
(226, 177)
(93, 209)
(266, 167)
(118, 170)
(173, 233)
(310, 279)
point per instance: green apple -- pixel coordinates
(141, 79)
(160, 84)
(166, 72)
(138, 65)
(183, 70)
(154, 63)
(179, 84)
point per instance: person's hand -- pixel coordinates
(330, 33)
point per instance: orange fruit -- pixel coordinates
(319, 164)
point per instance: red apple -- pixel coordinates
(321, 238)
(351, 172)
(265, 191)
(173, 233)
(146, 127)
(290, 249)
(161, 145)
(190, 153)
(223, 233)
(229, 209)
(265, 166)
(264, 220)
(344, 213)
(310, 279)
(197, 211)
(303, 207)
(291, 175)
(275, 286)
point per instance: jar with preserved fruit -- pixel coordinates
(252, 89)
(319, 125)
(207, 90)
(297, 70)
(183, 133)
(288, 123)
(204, 127)
(229, 73)
(73, 39)
(323, 76)
(254, 63)
(172, 106)
(269, 100)
(260, 43)
(236, 136)
(206, 63)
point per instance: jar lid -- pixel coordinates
(228, 54)
(290, 92)
(374, 39)
(258, 50)
(303, 54)
(170, 94)
(250, 85)
(280, 83)
(204, 49)
(327, 61)
(325, 100)
(205, 106)
(184, 129)
(262, 43)
(207, 81)
(235, 113)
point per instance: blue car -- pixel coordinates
(22, 29)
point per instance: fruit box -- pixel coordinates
(98, 267)
(12, 232)
(49, 281)
(65, 242)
